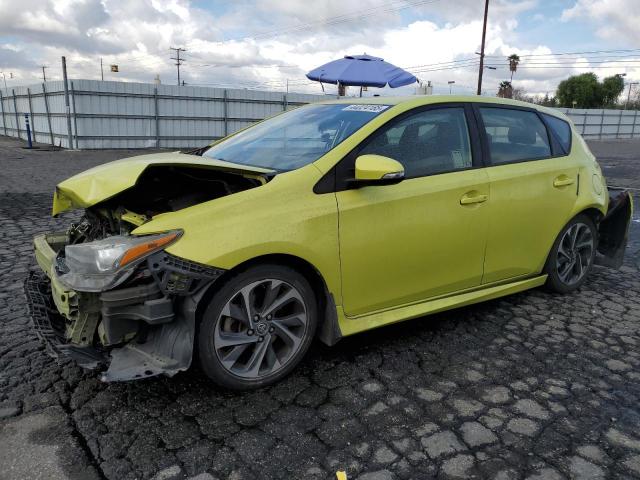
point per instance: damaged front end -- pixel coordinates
(114, 300)
(143, 327)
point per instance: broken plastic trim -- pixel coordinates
(614, 229)
(50, 325)
(167, 349)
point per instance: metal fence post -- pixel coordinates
(46, 106)
(225, 112)
(284, 102)
(15, 110)
(633, 127)
(75, 117)
(33, 123)
(67, 106)
(157, 118)
(619, 123)
(601, 124)
(4, 119)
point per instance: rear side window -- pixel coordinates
(561, 130)
(515, 135)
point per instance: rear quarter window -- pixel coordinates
(562, 131)
(514, 135)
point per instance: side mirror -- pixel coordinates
(377, 170)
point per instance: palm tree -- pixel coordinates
(514, 60)
(505, 90)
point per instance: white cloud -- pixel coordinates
(615, 19)
(137, 35)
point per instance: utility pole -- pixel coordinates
(101, 70)
(484, 35)
(44, 74)
(178, 59)
(66, 102)
(4, 77)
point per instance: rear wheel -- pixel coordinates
(257, 327)
(572, 255)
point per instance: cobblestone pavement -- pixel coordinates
(535, 385)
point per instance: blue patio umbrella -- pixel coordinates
(362, 71)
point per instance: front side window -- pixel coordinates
(295, 138)
(515, 135)
(425, 143)
(561, 129)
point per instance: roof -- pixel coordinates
(418, 100)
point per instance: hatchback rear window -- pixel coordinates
(515, 135)
(561, 130)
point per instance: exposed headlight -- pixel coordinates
(104, 264)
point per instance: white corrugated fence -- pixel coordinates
(136, 115)
(142, 115)
(602, 123)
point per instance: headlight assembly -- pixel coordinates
(104, 264)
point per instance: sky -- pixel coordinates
(267, 44)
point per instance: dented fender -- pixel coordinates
(100, 183)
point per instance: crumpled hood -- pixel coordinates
(104, 181)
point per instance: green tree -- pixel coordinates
(612, 87)
(585, 91)
(548, 101)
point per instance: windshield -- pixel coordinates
(295, 138)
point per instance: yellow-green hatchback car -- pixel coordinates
(323, 221)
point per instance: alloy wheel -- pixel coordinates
(260, 328)
(575, 253)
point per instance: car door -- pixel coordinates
(533, 190)
(425, 236)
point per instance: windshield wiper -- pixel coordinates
(197, 151)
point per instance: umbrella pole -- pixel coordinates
(361, 90)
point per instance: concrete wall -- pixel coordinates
(137, 115)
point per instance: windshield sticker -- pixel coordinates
(366, 108)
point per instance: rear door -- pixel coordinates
(533, 189)
(424, 236)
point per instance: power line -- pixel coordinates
(389, 7)
(346, 17)
(577, 62)
(577, 66)
(572, 53)
(452, 62)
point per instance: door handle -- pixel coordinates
(563, 181)
(470, 198)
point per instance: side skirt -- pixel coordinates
(350, 326)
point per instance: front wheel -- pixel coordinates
(572, 255)
(257, 327)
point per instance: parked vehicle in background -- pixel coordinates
(323, 221)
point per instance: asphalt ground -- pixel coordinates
(535, 385)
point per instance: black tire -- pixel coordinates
(218, 360)
(561, 277)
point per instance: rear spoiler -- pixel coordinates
(614, 229)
